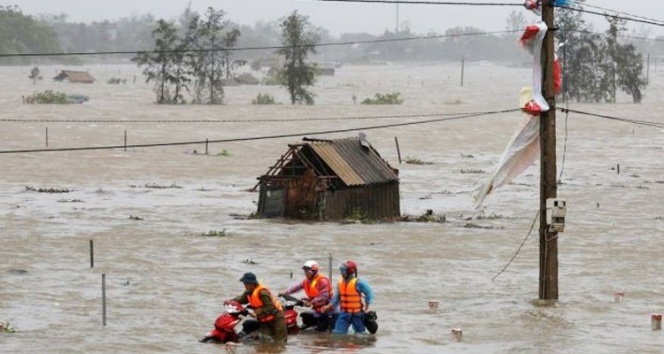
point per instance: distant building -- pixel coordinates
(242, 79)
(326, 71)
(330, 180)
(74, 76)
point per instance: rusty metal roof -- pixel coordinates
(75, 76)
(355, 163)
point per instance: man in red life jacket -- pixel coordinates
(319, 293)
(267, 309)
(353, 296)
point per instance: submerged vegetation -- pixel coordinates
(388, 98)
(215, 233)
(263, 99)
(54, 97)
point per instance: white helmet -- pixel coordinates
(310, 265)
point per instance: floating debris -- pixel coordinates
(249, 261)
(471, 225)
(70, 201)
(17, 271)
(160, 186)
(471, 171)
(6, 327)
(47, 190)
(415, 161)
(134, 217)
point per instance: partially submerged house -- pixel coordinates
(330, 180)
(74, 76)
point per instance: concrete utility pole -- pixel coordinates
(548, 279)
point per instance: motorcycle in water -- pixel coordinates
(234, 313)
(326, 322)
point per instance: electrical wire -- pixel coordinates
(626, 120)
(619, 12)
(239, 49)
(127, 121)
(416, 2)
(518, 249)
(649, 22)
(257, 137)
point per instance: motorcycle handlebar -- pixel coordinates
(297, 301)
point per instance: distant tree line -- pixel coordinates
(596, 65)
(20, 34)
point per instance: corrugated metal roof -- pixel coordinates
(75, 76)
(353, 163)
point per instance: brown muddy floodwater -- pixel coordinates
(165, 282)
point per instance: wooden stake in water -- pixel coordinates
(329, 259)
(92, 255)
(396, 141)
(103, 298)
(46, 136)
(656, 321)
(463, 65)
(125, 140)
(206, 146)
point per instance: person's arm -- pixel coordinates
(243, 299)
(293, 288)
(324, 287)
(334, 302)
(364, 288)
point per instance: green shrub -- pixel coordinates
(51, 97)
(263, 99)
(388, 98)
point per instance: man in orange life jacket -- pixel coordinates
(267, 309)
(354, 296)
(319, 293)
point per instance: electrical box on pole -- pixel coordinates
(556, 209)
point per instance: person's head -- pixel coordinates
(310, 269)
(348, 269)
(249, 280)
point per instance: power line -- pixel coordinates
(111, 147)
(650, 22)
(619, 12)
(415, 2)
(127, 121)
(626, 120)
(331, 44)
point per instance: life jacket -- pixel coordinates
(256, 303)
(311, 289)
(351, 300)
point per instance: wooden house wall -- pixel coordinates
(376, 201)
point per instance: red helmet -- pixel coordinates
(351, 268)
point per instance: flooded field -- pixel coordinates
(146, 210)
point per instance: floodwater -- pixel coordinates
(165, 282)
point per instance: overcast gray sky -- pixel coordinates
(337, 17)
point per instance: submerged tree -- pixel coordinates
(161, 64)
(34, 75)
(595, 66)
(299, 39)
(209, 62)
(627, 63)
(192, 57)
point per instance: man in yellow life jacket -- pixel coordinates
(267, 309)
(319, 293)
(353, 296)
